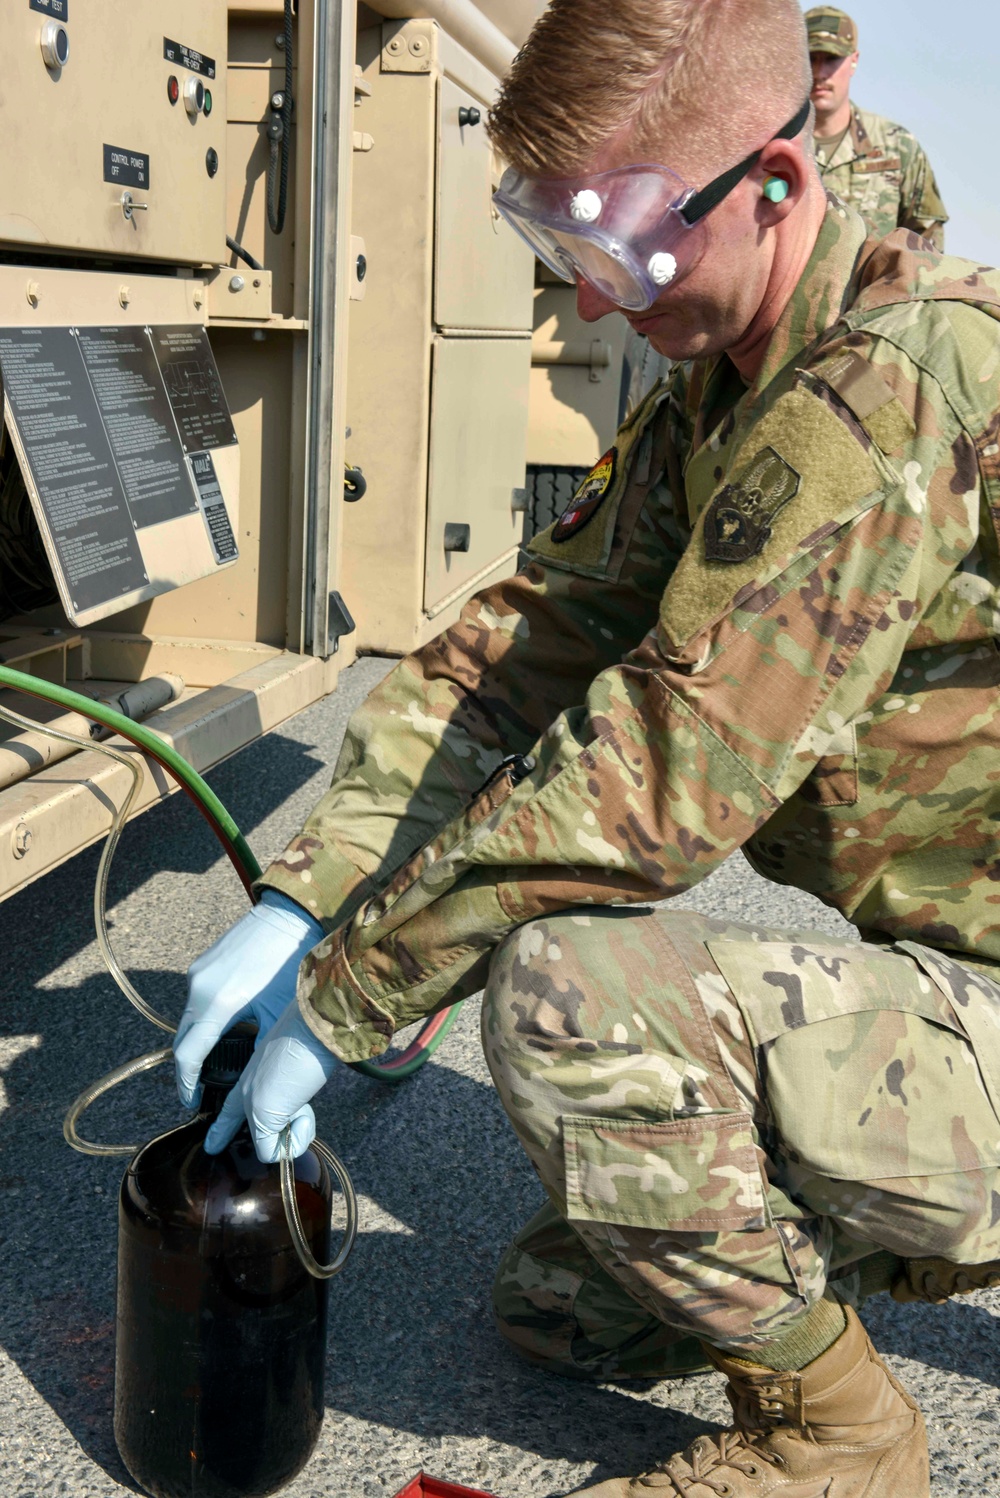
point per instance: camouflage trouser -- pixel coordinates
(727, 1119)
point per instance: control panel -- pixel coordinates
(114, 126)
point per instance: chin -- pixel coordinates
(670, 339)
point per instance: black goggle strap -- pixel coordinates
(711, 196)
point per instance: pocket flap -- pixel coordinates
(785, 985)
(695, 1174)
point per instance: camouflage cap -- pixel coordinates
(831, 30)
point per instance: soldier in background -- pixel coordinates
(869, 162)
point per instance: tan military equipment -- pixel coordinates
(194, 400)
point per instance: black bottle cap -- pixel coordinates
(228, 1057)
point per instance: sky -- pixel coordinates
(933, 68)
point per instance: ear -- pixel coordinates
(784, 160)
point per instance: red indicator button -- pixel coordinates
(173, 89)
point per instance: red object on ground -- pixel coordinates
(423, 1486)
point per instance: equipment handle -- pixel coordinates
(309, 1261)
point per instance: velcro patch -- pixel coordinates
(588, 498)
(876, 405)
(838, 481)
(876, 162)
(739, 519)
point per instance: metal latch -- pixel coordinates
(339, 621)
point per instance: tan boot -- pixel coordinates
(937, 1280)
(841, 1428)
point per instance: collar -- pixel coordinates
(855, 145)
(720, 406)
(823, 293)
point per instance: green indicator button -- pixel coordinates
(207, 106)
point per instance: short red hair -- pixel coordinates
(731, 71)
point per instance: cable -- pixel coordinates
(279, 133)
(134, 768)
(396, 1068)
(242, 254)
(111, 1079)
(309, 1261)
(201, 793)
(26, 581)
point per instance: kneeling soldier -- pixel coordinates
(767, 621)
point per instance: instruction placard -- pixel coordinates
(194, 389)
(127, 383)
(213, 507)
(71, 465)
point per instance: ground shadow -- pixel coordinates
(412, 1345)
(957, 1337)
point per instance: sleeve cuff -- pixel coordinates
(335, 1007)
(327, 885)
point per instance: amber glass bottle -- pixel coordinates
(221, 1335)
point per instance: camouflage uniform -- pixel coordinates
(878, 167)
(768, 622)
(881, 170)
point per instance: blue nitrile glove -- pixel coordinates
(288, 1067)
(248, 974)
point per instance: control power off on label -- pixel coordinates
(130, 168)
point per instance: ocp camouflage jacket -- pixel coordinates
(881, 170)
(769, 623)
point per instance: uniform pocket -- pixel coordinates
(975, 1001)
(788, 985)
(697, 1174)
(868, 1074)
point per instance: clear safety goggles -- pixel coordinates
(630, 232)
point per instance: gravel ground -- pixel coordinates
(416, 1375)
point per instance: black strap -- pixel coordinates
(711, 196)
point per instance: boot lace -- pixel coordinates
(705, 1463)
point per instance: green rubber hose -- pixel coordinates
(199, 790)
(431, 1033)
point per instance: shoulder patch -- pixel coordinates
(613, 492)
(738, 521)
(588, 498)
(876, 405)
(835, 480)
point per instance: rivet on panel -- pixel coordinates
(33, 292)
(20, 840)
(236, 283)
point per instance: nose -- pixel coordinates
(592, 304)
(822, 66)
